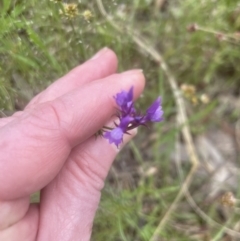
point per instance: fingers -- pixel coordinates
(12, 211)
(102, 64)
(71, 199)
(35, 145)
(25, 230)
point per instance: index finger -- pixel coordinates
(35, 146)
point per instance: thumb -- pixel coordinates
(70, 201)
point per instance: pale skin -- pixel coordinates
(50, 146)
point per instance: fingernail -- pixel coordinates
(99, 53)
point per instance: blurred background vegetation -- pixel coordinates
(199, 42)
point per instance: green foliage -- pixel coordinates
(38, 45)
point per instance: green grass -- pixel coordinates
(38, 45)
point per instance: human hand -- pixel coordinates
(51, 146)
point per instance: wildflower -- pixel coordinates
(87, 14)
(221, 36)
(189, 92)
(154, 112)
(228, 199)
(205, 99)
(129, 118)
(194, 100)
(116, 135)
(192, 27)
(124, 100)
(70, 10)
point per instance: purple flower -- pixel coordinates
(116, 135)
(124, 101)
(155, 113)
(128, 117)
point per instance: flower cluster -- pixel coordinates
(228, 200)
(87, 15)
(70, 10)
(129, 118)
(190, 93)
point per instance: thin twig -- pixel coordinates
(182, 121)
(231, 38)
